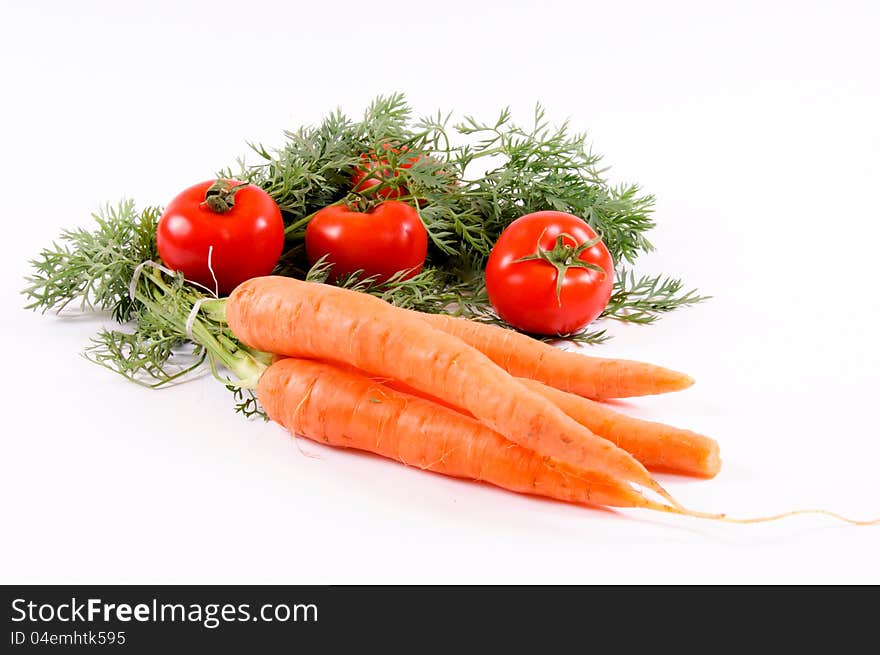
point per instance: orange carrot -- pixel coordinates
(303, 319)
(659, 447)
(340, 407)
(591, 377)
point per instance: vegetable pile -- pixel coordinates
(383, 281)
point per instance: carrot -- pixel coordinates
(657, 446)
(338, 405)
(335, 405)
(591, 377)
(303, 319)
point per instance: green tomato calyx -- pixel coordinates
(220, 196)
(563, 257)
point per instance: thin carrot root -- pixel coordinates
(683, 511)
(657, 488)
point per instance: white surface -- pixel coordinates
(756, 127)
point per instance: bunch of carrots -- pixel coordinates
(461, 398)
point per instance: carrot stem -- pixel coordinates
(244, 363)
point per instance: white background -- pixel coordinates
(755, 124)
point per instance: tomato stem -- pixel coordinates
(220, 196)
(563, 257)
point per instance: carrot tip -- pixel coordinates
(712, 462)
(666, 380)
(675, 381)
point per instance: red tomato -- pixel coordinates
(361, 179)
(382, 241)
(549, 273)
(238, 223)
